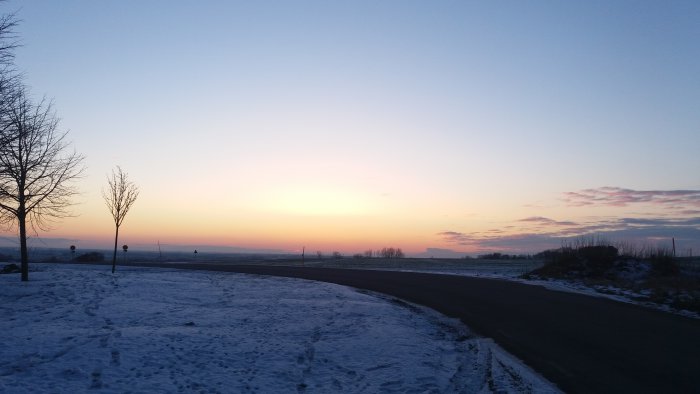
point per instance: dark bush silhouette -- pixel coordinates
(6, 257)
(10, 269)
(598, 259)
(586, 261)
(559, 262)
(663, 263)
(92, 257)
(652, 272)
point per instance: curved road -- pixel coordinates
(581, 343)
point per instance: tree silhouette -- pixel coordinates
(36, 168)
(120, 197)
(391, 253)
(9, 78)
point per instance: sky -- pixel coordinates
(443, 128)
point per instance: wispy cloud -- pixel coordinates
(676, 215)
(659, 222)
(619, 197)
(480, 242)
(457, 238)
(538, 238)
(547, 221)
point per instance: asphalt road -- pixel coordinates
(581, 343)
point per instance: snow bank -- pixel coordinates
(514, 272)
(75, 328)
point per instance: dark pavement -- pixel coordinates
(581, 343)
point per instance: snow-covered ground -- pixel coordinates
(609, 292)
(470, 267)
(76, 328)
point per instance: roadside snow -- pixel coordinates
(609, 292)
(76, 328)
(514, 273)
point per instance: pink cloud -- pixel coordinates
(680, 219)
(536, 238)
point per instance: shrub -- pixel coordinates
(598, 259)
(10, 269)
(559, 262)
(663, 263)
(586, 261)
(6, 257)
(92, 257)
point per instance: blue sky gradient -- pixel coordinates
(366, 124)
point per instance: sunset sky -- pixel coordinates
(434, 126)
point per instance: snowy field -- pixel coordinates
(468, 267)
(77, 328)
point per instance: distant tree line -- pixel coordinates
(383, 253)
(504, 256)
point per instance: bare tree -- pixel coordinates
(9, 79)
(36, 168)
(387, 253)
(120, 197)
(8, 38)
(391, 253)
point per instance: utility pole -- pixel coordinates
(303, 249)
(673, 240)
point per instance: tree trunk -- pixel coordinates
(114, 257)
(22, 218)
